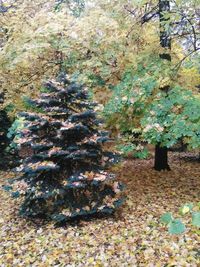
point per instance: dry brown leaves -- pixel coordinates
(133, 237)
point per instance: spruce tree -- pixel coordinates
(63, 177)
(5, 123)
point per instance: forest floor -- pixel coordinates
(132, 237)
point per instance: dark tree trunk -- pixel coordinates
(161, 153)
(165, 39)
(161, 158)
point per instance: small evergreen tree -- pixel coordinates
(63, 176)
(5, 123)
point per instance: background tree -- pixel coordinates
(32, 55)
(162, 9)
(161, 155)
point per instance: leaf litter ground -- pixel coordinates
(132, 237)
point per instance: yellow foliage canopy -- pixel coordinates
(104, 41)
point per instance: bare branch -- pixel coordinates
(177, 66)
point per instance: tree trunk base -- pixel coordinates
(161, 158)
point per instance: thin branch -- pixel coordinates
(194, 34)
(177, 66)
(145, 18)
(148, 16)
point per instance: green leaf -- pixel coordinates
(196, 219)
(166, 218)
(176, 227)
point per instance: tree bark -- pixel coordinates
(165, 38)
(161, 158)
(161, 153)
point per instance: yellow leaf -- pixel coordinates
(91, 260)
(185, 209)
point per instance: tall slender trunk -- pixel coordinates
(161, 153)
